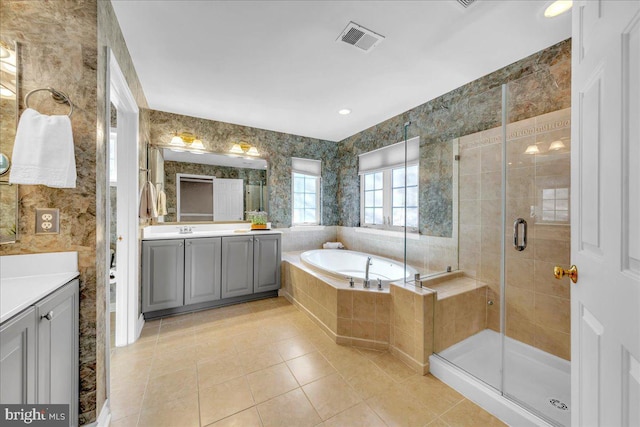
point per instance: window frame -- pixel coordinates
(318, 190)
(387, 200)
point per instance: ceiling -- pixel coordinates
(276, 65)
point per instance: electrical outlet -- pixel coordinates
(47, 221)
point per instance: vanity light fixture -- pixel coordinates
(557, 7)
(344, 111)
(187, 141)
(243, 148)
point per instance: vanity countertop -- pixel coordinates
(161, 232)
(20, 287)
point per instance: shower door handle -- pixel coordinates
(519, 244)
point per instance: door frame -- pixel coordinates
(129, 321)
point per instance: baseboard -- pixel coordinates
(421, 368)
(139, 326)
(104, 418)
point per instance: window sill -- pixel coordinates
(296, 228)
(390, 233)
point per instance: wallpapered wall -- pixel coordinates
(277, 148)
(471, 108)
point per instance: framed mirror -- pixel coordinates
(9, 82)
(203, 187)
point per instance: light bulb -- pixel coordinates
(253, 151)
(197, 144)
(344, 111)
(236, 149)
(558, 7)
(177, 141)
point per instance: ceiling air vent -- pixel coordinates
(466, 3)
(360, 37)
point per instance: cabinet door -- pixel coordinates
(202, 274)
(162, 274)
(57, 317)
(17, 359)
(266, 263)
(237, 266)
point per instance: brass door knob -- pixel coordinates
(572, 272)
(119, 238)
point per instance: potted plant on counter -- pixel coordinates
(258, 220)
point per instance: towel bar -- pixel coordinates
(58, 96)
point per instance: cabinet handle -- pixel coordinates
(188, 243)
(47, 316)
(257, 239)
(180, 244)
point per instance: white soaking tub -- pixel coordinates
(341, 264)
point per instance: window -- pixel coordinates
(306, 191)
(384, 197)
(555, 205)
(387, 191)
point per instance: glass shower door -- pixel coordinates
(467, 322)
(537, 237)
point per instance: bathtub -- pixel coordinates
(342, 264)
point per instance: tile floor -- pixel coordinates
(265, 363)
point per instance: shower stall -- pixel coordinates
(508, 328)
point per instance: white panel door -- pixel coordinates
(228, 199)
(605, 158)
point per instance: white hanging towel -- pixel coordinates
(148, 201)
(162, 203)
(43, 151)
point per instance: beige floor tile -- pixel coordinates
(293, 347)
(219, 370)
(177, 413)
(249, 340)
(289, 410)
(468, 414)
(310, 367)
(172, 386)
(360, 415)
(176, 341)
(331, 395)
(437, 423)
(125, 376)
(130, 421)
(224, 399)
(368, 380)
(394, 367)
(165, 362)
(345, 358)
(434, 394)
(401, 410)
(259, 358)
(284, 331)
(214, 349)
(126, 401)
(247, 418)
(271, 382)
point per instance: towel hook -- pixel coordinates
(56, 95)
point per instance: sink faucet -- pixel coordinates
(186, 229)
(365, 283)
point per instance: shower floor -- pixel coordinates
(534, 378)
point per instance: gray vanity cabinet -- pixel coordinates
(18, 359)
(57, 361)
(202, 274)
(162, 274)
(237, 266)
(39, 353)
(267, 253)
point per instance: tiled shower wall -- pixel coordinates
(538, 306)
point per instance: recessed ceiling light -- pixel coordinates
(558, 7)
(344, 111)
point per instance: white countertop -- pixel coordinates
(20, 287)
(171, 231)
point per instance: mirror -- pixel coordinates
(8, 120)
(239, 181)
